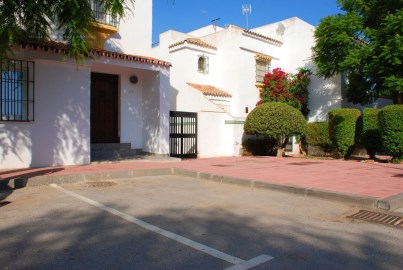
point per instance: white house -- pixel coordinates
(216, 72)
(53, 109)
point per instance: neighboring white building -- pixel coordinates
(53, 109)
(217, 73)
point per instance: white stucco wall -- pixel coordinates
(134, 34)
(184, 60)
(231, 67)
(155, 107)
(214, 136)
(297, 37)
(60, 133)
(324, 95)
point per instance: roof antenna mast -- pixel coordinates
(246, 10)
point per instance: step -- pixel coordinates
(110, 146)
(115, 154)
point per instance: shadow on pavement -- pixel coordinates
(91, 239)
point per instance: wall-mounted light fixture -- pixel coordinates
(134, 79)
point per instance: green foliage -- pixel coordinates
(342, 130)
(366, 42)
(24, 22)
(317, 134)
(370, 131)
(277, 120)
(391, 130)
(292, 89)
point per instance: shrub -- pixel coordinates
(342, 127)
(370, 131)
(276, 120)
(317, 134)
(391, 130)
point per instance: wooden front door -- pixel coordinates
(104, 108)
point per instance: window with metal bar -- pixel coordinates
(101, 16)
(17, 90)
(262, 67)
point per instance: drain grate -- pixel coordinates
(381, 218)
(221, 165)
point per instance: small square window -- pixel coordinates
(16, 90)
(203, 64)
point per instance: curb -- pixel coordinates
(357, 200)
(77, 178)
(388, 204)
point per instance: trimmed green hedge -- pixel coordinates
(275, 119)
(342, 127)
(391, 130)
(371, 138)
(317, 134)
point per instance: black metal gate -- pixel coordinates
(183, 134)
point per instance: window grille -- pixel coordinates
(262, 67)
(101, 16)
(17, 90)
(203, 64)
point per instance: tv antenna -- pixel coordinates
(214, 23)
(246, 10)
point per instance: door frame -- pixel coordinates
(115, 107)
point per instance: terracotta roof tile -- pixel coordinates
(209, 90)
(263, 37)
(63, 48)
(194, 41)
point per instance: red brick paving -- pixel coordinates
(354, 177)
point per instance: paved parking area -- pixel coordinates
(173, 222)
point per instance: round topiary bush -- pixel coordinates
(342, 127)
(276, 120)
(391, 131)
(370, 131)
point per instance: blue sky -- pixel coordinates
(188, 15)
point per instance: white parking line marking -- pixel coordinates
(251, 263)
(239, 263)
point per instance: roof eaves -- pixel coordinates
(63, 48)
(209, 90)
(275, 41)
(193, 41)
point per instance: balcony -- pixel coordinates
(105, 25)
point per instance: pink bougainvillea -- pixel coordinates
(288, 88)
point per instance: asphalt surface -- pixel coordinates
(176, 222)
